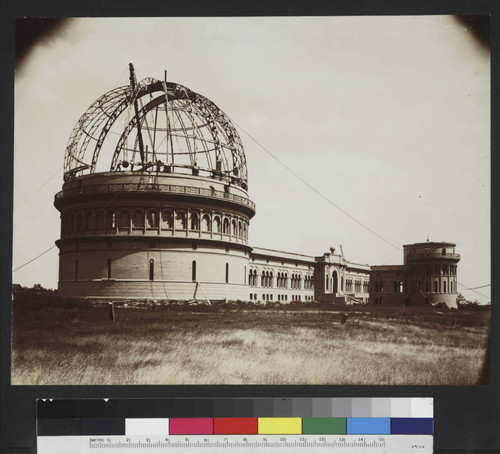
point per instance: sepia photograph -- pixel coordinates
(252, 200)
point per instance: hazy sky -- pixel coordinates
(388, 117)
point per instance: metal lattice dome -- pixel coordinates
(156, 127)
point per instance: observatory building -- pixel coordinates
(155, 205)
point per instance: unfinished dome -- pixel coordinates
(156, 127)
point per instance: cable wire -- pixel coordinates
(317, 191)
(33, 259)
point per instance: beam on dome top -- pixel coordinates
(136, 110)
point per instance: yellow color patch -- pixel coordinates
(280, 426)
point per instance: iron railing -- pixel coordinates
(115, 188)
(424, 255)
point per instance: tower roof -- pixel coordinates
(155, 126)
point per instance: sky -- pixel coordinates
(387, 117)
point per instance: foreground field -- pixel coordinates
(75, 344)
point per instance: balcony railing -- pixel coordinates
(425, 255)
(154, 188)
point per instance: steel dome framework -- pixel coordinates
(167, 128)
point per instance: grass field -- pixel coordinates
(57, 343)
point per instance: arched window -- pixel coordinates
(180, 220)
(235, 228)
(152, 219)
(194, 222)
(240, 233)
(217, 225)
(64, 223)
(205, 223)
(124, 222)
(193, 271)
(271, 276)
(71, 223)
(79, 222)
(263, 279)
(139, 219)
(151, 269)
(88, 220)
(250, 278)
(99, 220)
(166, 220)
(110, 220)
(225, 227)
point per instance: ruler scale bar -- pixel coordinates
(369, 444)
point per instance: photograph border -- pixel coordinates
(465, 416)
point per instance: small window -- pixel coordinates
(109, 268)
(194, 222)
(88, 220)
(193, 271)
(205, 223)
(125, 219)
(227, 273)
(139, 219)
(152, 219)
(111, 220)
(216, 226)
(151, 269)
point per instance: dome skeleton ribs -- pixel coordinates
(195, 135)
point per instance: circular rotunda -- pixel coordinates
(154, 203)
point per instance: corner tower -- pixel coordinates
(432, 272)
(157, 207)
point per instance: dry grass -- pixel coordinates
(72, 345)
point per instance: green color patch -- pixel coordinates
(324, 426)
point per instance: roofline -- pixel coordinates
(430, 243)
(256, 250)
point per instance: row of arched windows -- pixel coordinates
(295, 280)
(308, 282)
(446, 288)
(253, 278)
(126, 219)
(282, 280)
(267, 279)
(437, 270)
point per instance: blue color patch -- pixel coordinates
(412, 426)
(365, 426)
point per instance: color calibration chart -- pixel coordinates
(236, 425)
